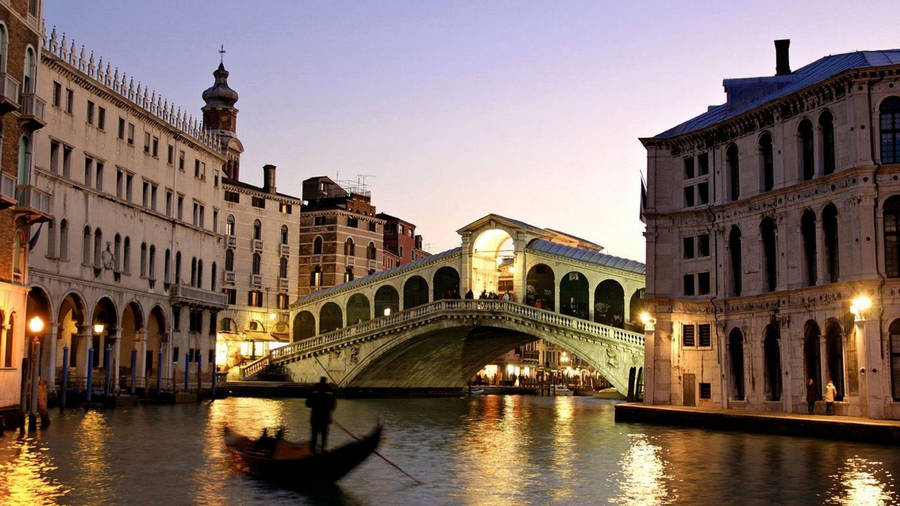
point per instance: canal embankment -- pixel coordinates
(844, 428)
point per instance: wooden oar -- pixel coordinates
(354, 436)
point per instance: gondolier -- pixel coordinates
(321, 402)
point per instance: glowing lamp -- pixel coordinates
(36, 325)
(512, 269)
(645, 317)
(272, 316)
(860, 305)
(98, 328)
(387, 311)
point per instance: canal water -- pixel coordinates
(483, 450)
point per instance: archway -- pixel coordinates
(540, 287)
(635, 308)
(387, 301)
(772, 355)
(132, 323)
(811, 355)
(736, 364)
(358, 309)
(304, 326)
(834, 355)
(609, 303)
(70, 316)
(154, 337)
(445, 284)
(493, 262)
(573, 295)
(415, 292)
(104, 324)
(330, 317)
(37, 305)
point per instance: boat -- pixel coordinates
(294, 464)
(476, 392)
(561, 390)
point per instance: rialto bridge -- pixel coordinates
(417, 326)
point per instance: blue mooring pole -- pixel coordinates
(159, 373)
(90, 373)
(106, 370)
(133, 369)
(64, 381)
(187, 371)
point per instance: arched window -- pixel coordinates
(199, 273)
(772, 362)
(808, 231)
(64, 239)
(349, 248)
(768, 231)
(282, 267)
(890, 130)
(212, 278)
(371, 251)
(229, 260)
(151, 268)
(10, 335)
(348, 275)
(284, 234)
(98, 248)
(86, 246)
(892, 236)
(807, 159)
(143, 259)
(28, 80)
(317, 246)
(19, 253)
(167, 266)
(768, 161)
(178, 267)
(126, 256)
(826, 124)
(3, 51)
(734, 171)
(117, 253)
(315, 277)
(229, 225)
(830, 229)
(256, 261)
(257, 230)
(194, 271)
(51, 239)
(734, 247)
(736, 364)
(24, 174)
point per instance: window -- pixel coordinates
(215, 220)
(120, 182)
(54, 157)
(229, 260)
(256, 263)
(196, 168)
(101, 118)
(67, 161)
(51, 239)
(181, 161)
(147, 143)
(151, 267)
(117, 254)
(319, 220)
(703, 193)
(768, 162)
(254, 298)
(807, 160)
(352, 222)
(703, 283)
(178, 267)
(143, 264)
(373, 226)
(64, 240)
(348, 275)
(687, 335)
(734, 246)
(170, 156)
(155, 148)
(176, 324)
(808, 234)
(121, 133)
(231, 293)
(689, 284)
(688, 196)
(180, 206)
(229, 225)
(98, 249)
(195, 214)
(98, 180)
(88, 170)
(284, 208)
(703, 245)
(315, 278)
(70, 99)
(703, 164)
(284, 234)
(258, 202)
(129, 178)
(153, 188)
(830, 229)
(57, 93)
(145, 194)
(688, 167)
(126, 256)
(232, 197)
(890, 130)
(688, 250)
(283, 301)
(317, 246)
(734, 171)
(349, 248)
(257, 230)
(169, 203)
(768, 232)
(371, 251)
(195, 324)
(705, 390)
(167, 267)
(131, 134)
(90, 112)
(283, 268)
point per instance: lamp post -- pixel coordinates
(36, 327)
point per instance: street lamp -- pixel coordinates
(859, 306)
(35, 326)
(98, 328)
(648, 321)
(387, 311)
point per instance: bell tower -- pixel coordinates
(220, 116)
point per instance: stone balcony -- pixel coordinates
(32, 111)
(34, 203)
(191, 296)
(9, 93)
(284, 250)
(7, 190)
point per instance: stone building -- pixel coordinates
(261, 261)
(341, 238)
(773, 249)
(22, 204)
(128, 271)
(401, 243)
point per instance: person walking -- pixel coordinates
(321, 403)
(811, 395)
(830, 393)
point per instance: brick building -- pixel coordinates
(401, 243)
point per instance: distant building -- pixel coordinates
(773, 242)
(401, 244)
(341, 238)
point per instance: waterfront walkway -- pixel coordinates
(850, 428)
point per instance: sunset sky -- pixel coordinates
(457, 109)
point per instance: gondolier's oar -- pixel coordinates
(354, 436)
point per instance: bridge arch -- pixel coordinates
(387, 301)
(304, 325)
(330, 317)
(493, 260)
(445, 283)
(573, 295)
(609, 303)
(358, 309)
(415, 292)
(540, 287)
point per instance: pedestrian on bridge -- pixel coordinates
(321, 402)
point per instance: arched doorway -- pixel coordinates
(736, 364)
(811, 355)
(330, 318)
(415, 292)
(772, 364)
(70, 317)
(304, 325)
(573, 295)
(609, 303)
(387, 301)
(635, 308)
(132, 323)
(834, 355)
(37, 305)
(894, 331)
(445, 284)
(155, 337)
(540, 285)
(493, 262)
(358, 309)
(104, 324)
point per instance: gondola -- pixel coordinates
(294, 465)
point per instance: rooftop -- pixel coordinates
(588, 256)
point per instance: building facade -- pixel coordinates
(22, 204)
(772, 243)
(401, 243)
(127, 274)
(341, 238)
(261, 262)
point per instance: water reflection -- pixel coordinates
(859, 481)
(90, 450)
(643, 477)
(563, 445)
(24, 469)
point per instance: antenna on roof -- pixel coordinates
(361, 181)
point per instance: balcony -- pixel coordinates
(230, 241)
(32, 111)
(284, 250)
(33, 203)
(9, 93)
(256, 245)
(283, 284)
(184, 294)
(255, 280)
(229, 277)
(7, 190)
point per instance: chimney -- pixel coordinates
(782, 57)
(269, 178)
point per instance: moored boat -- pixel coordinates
(295, 465)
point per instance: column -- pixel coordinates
(649, 359)
(591, 302)
(115, 342)
(48, 355)
(83, 343)
(521, 271)
(140, 344)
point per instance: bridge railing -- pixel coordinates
(441, 307)
(255, 366)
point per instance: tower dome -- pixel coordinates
(219, 94)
